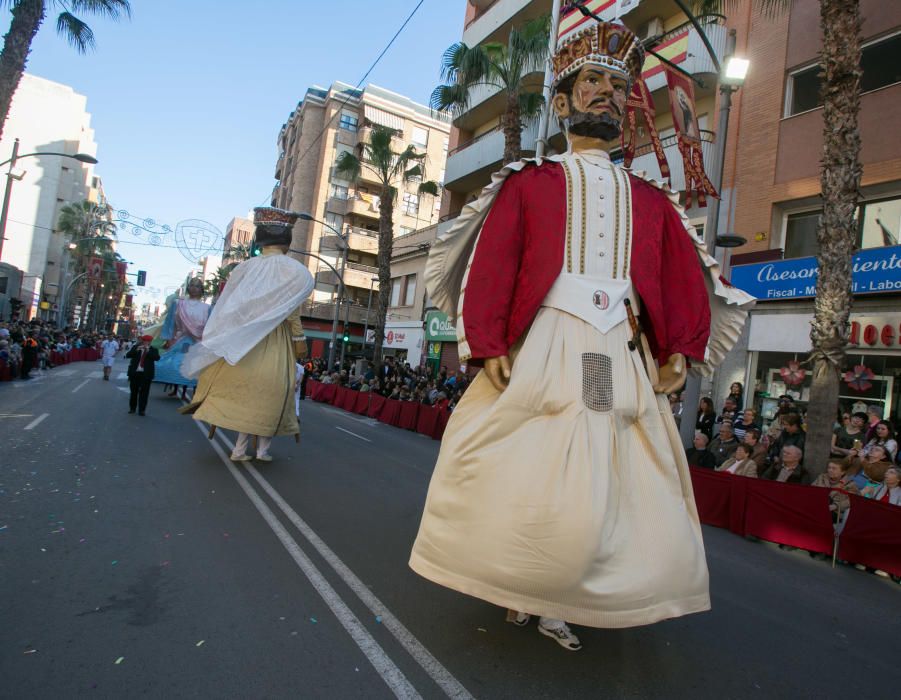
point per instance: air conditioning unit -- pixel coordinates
(651, 29)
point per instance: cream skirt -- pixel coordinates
(567, 495)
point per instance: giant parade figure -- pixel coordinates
(561, 488)
(182, 327)
(246, 358)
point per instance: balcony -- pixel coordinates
(645, 160)
(346, 137)
(337, 205)
(278, 165)
(487, 101)
(362, 205)
(683, 46)
(363, 240)
(470, 163)
(494, 19)
(356, 275)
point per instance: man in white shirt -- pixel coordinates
(109, 348)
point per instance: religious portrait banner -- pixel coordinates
(685, 121)
(640, 101)
(121, 269)
(95, 268)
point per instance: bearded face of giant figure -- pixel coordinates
(592, 103)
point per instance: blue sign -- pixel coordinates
(875, 271)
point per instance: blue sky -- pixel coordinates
(188, 97)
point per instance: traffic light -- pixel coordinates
(255, 249)
(346, 337)
(142, 278)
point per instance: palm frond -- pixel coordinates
(77, 33)
(530, 104)
(453, 98)
(348, 166)
(113, 9)
(413, 173)
(431, 187)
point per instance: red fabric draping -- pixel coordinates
(789, 514)
(57, 358)
(377, 402)
(712, 496)
(5, 373)
(427, 421)
(325, 393)
(390, 413)
(409, 414)
(345, 399)
(361, 404)
(443, 418)
(872, 535)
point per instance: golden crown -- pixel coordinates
(271, 216)
(608, 44)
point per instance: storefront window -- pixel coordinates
(879, 225)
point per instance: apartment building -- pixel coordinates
(326, 123)
(238, 233)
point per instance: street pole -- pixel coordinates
(368, 309)
(545, 117)
(338, 297)
(6, 193)
(347, 303)
(691, 396)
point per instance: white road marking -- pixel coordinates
(64, 372)
(122, 375)
(350, 416)
(434, 668)
(37, 421)
(384, 666)
(337, 427)
(124, 388)
(16, 415)
(95, 375)
(80, 385)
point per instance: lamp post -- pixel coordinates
(340, 294)
(4, 212)
(372, 281)
(731, 79)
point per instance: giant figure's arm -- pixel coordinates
(297, 334)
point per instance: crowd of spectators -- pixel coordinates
(28, 346)
(396, 380)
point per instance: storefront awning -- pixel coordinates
(380, 116)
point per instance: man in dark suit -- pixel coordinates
(140, 373)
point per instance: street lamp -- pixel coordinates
(80, 157)
(304, 216)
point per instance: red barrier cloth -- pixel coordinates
(872, 535)
(443, 417)
(5, 373)
(361, 405)
(345, 398)
(713, 496)
(377, 403)
(789, 514)
(325, 393)
(409, 414)
(427, 420)
(390, 412)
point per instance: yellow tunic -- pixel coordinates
(256, 395)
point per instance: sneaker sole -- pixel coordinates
(245, 458)
(549, 633)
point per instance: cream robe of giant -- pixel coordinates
(568, 494)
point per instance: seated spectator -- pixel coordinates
(786, 407)
(841, 483)
(723, 446)
(872, 474)
(699, 455)
(730, 409)
(740, 463)
(706, 418)
(441, 402)
(883, 435)
(874, 415)
(758, 450)
(791, 435)
(745, 422)
(890, 489)
(788, 469)
(844, 437)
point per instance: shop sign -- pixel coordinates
(874, 271)
(882, 331)
(438, 326)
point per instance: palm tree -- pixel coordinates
(500, 66)
(393, 170)
(840, 175)
(27, 17)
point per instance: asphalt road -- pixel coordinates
(136, 562)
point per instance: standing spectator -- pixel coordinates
(844, 437)
(740, 463)
(108, 350)
(837, 479)
(791, 435)
(883, 435)
(788, 469)
(874, 466)
(786, 407)
(758, 451)
(699, 455)
(745, 422)
(723, 447)
(706, 417)
(140, 373)
(874, 415)
(736, 393)
(890, 489)
(675, 405)
(29, 354)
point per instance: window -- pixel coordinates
(4, 282)
(879, 224)
(336, 221)
(881, 65)
(410, 291)
(801, 234)
(338, 191)
(411, 203)
(348, 121)
(404, 230)
(420, 138)
(396, 285)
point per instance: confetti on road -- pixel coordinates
(30, 651)
(378, 619)
(313, 620)
(120, 660)
(114, 562)
(482, 629)
(200, 643)
(43, 550)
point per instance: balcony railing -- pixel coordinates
(467, 144)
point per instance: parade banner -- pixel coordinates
(121, 269)
(572, 20)
(685, 121)
(640, 99)
(95, 268)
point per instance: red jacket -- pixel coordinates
(519, 255)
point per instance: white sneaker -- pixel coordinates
(240, 458)
(264, 458)
(520, 619)
(563, 636)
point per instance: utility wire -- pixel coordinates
(356, 87)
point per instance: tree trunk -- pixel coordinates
(26, 20)
(512, 125)
(837, 231)
(386, 245)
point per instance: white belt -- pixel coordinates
(598, 301)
